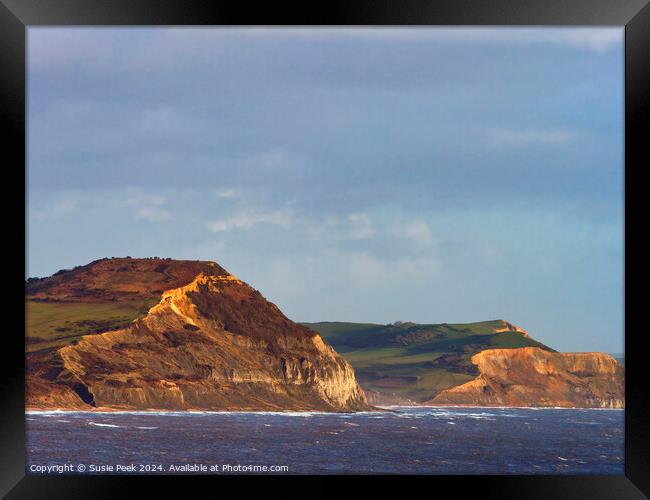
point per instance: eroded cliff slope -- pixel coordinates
(208, 341)
(531, 376)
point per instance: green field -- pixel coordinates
(55, 324)
(416, 361)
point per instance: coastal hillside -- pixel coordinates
(126, 333)
(412, 363)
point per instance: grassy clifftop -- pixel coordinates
(417, 361)
(107, 294)
(55, 324)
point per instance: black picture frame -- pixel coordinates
(634, 15)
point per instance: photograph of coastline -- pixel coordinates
(325, 251)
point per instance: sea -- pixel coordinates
(399, 440)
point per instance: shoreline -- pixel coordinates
(514, 407)
(382, 409)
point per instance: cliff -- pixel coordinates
(175, 335)
(531, 376)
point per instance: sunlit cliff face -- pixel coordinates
(531, 376)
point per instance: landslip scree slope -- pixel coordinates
(210, 342)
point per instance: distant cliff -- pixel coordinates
(385, 399)
(533, 377)
(164, 334)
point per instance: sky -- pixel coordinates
(349, 174)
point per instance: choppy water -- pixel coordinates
(404, 441)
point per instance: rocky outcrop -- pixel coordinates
(377, 398)
(509, 327)
(42, 394)
(531, 376)
(212, 343)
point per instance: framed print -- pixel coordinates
(381, 240)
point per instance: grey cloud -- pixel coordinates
(431, 175)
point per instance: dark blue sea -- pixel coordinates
(405, 440)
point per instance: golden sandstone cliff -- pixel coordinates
(530, 376)
(211, 342)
